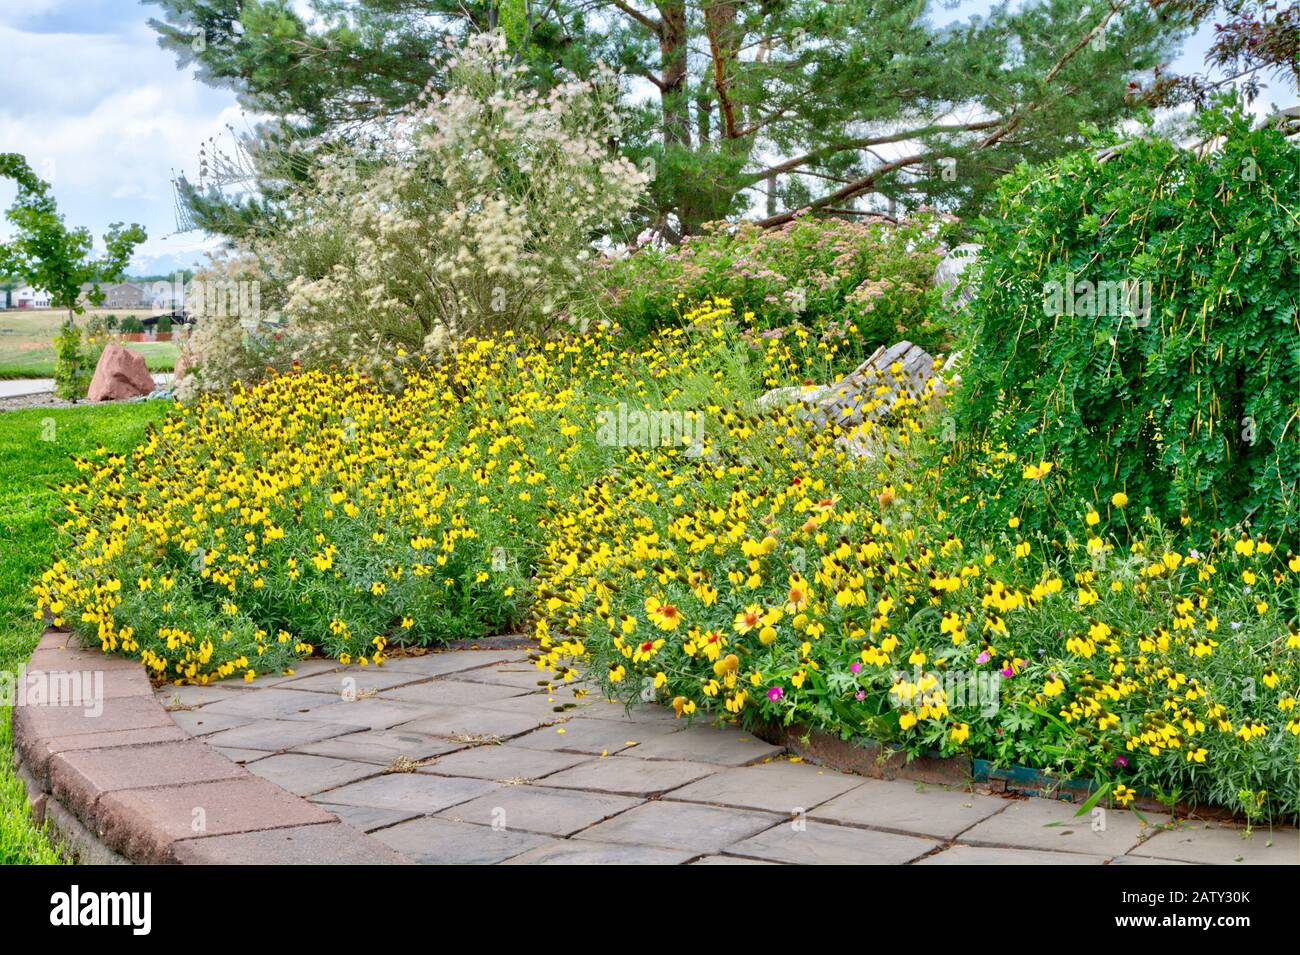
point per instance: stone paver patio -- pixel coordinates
(466, 756)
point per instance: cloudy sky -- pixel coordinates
(104, 114)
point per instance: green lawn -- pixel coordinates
(34, 453)
(26, 349)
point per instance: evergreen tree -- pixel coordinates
(768, 106)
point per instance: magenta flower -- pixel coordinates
(983, 657)
(860, 695)
(775, 693)
(855, 667)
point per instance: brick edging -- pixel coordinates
(118, 781)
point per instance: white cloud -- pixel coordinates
(108, 120)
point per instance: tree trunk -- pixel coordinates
(673, 86)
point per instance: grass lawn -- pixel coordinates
(34, 453)
(26, 349)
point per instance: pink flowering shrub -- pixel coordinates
(868, 279)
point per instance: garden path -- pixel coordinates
(462, 757)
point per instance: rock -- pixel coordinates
(948, 274)
(892, 376)
(121, 373)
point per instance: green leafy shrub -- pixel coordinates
(1180, 388)
(68, 370)
(75, 360)
(164, 325)
(131, 324)
(825, 274)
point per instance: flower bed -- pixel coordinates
(751, 567)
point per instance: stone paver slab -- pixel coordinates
(443, 842)
(351, 682)
(603, 709)
(597, 737)
(679, 825)
(731, 860)
(184, 697)
(300, 669)
(269, 703)
(909, 808)
(409, 792)
(367, 818)
(558, 812)
(307, 775)
(242, 755)
(143, 824)
(370, 712)
(700, 743)
(82, 685)
(330, 843)
(816, 843)
(544, 707)
(987, 855)
(779, 786)
(452, 661)
(502, 763)
(381, 747)
(1049, 824)
(201, 723)
(276, 735)
(1221, 845)
(451, 692)
(575, 852)
(523, 675)
(631, 777)
(37, 753)
(471, 724)
(79, 778)
(118, 715)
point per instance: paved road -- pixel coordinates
(43, 386)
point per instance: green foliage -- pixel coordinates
(46, 253)
(35, 450)
(821, 86)
(71, 377)
(132, 325)
(1193, 407)
(164, 324)
(512, 18)
(867, 281)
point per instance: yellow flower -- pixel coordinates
(1119, 499)
(959, 733)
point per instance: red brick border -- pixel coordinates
(126, 784)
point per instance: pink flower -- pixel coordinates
(775, 693)
(860, 695)
(983, 657)
(856, 667)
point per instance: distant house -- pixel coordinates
(27, 296)
(121, 295)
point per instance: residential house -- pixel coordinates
(120, 295)
(26, 296)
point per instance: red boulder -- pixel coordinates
(121, 373)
